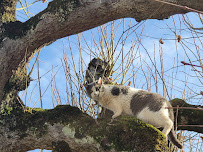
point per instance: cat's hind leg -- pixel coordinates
(167, 127)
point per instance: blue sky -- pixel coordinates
(50, 60)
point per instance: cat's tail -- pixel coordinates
(172, 135)
(173, 139)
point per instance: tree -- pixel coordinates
(19, 41)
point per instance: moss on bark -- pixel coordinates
(126, 134)
(8, 10)
(63, 6)
(190, 117)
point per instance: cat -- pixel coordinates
(148, 107)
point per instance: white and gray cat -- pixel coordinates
(149, 107)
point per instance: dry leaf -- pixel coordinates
(44, 1)
(129, 83)
(179, 38)
(111, 78)
(161, 41)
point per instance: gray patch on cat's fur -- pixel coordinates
(144, 99)
(124, 90)
(115, 91)
(170, 111)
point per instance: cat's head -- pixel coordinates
(95, 89)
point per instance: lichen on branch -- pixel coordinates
(74, 127)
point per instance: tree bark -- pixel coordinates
(189, 117)
(76, 131)
(8, 10)
(67, 126)
(19, 41)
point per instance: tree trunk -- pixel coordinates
(47, 128)
(19, 41)
(67, 126)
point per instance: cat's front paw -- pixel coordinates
(111, 122)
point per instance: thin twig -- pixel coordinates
(198, 108)
(185, 63)
(180, 6)
(190, 125)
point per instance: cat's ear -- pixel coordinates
(99, 81)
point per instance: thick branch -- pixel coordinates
(189, 118)
(67, 17)
(66, 124)
(7, 10)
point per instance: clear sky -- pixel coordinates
(149, 34)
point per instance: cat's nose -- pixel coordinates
(95, 94)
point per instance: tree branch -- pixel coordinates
(49, 128)
(66, 124)
(67, 17)
(188, 119)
